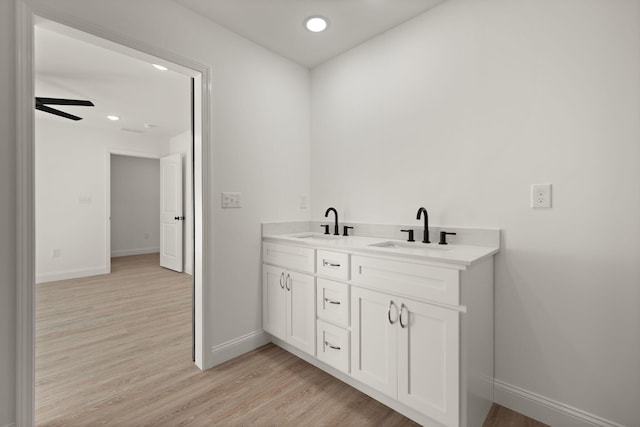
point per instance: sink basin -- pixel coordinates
(416, 248)
(319, 236)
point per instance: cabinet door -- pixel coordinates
(428, 360)
(301, 311)
(373, 339)
(274, 301)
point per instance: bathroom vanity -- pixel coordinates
(409, 324)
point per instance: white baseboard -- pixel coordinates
(138, 251)
(70, 274)
(544, 409)
(238, 346)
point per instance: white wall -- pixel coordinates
(461, 110)
(182, 144)
(260, 142)
(71, 194)
(8, 212)
(135, 205)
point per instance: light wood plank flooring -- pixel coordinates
(115, 350)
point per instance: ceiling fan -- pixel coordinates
(41, 104)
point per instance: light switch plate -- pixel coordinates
(541, 196)
(230, 200)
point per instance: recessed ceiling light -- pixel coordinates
(316, 24)
(113, 118)
(160, 67)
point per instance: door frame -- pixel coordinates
(25, 192)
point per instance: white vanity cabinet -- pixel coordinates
(414, 333)
(408, 350)
(288, 303)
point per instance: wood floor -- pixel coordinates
(115, 350)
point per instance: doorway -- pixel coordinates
(26, 228)
(143, 109)
(134, 198)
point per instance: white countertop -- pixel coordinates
(457, 254)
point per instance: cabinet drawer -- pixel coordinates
(333, 346)
(407, 279)
(293, 257)
(333, 264)
(333, 302)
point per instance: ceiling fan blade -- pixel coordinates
(63, 101)
(57, 112)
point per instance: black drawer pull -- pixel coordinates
(326, 263)
(335, 347)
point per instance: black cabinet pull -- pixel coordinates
(335, 347)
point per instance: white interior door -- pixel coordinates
(171, 214)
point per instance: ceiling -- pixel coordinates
(118, 84)
(278, 24)
(72, 64)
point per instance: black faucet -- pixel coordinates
(425, 238)
(326, 214)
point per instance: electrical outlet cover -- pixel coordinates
(230, 200)
(541, 196)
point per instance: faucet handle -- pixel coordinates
(345, 230)
(410, 239)
(443, 237)
(326, 228)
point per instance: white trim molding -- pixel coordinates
(546, 410)
(137, 251)
(25, 219)
(54, 276)
(238, 346)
